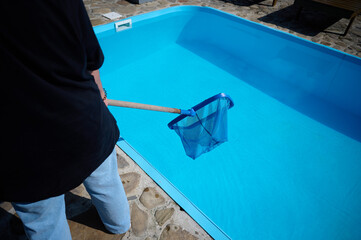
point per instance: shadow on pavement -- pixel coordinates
(310, 22)
(11, 227)
(247, 3)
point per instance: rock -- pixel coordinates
(101, 10)
(96, 22)
(173, 232)
(126, 9)
(139, 220)
(326, 43)
(151, 238)
(130, 181)
(122, 163)
(80, 191)
(123, 2)
(6, 206)
(150, 198)
(161, 216)
(341, 44)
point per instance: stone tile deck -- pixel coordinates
(313, 26)
(154, 214)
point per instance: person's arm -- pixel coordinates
(96, 76)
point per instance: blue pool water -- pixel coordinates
(292, 166)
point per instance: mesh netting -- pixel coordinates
(207, 129)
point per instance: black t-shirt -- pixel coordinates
(56, 130)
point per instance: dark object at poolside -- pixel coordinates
(339, 8)
(140, 1)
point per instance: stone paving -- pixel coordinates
(314, 26)
(154, 214)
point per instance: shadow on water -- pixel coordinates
(312, 106)
(309, 23)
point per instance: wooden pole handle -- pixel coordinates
(118, 103)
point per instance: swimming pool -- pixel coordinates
(292, 166)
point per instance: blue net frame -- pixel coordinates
(205, 130)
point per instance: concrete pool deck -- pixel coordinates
(154, 214)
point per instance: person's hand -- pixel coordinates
(105, 101)
(102, 91)
(103, 94)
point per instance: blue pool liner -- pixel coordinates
(344, 95)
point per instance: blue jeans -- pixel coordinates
(46, 219)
